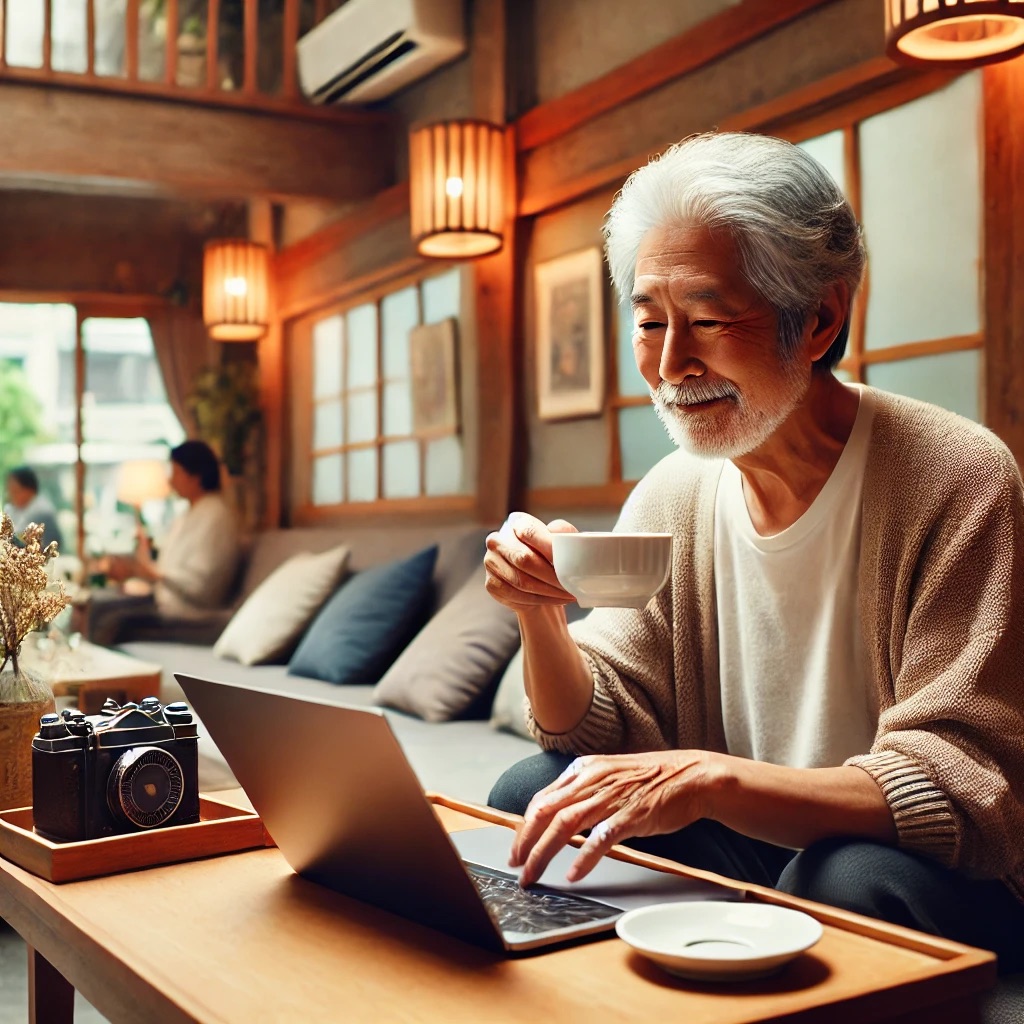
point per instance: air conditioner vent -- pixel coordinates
(369, 49)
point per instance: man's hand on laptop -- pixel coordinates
(616, 796)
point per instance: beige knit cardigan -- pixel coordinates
(941, 592)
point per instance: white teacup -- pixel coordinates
(612, 570)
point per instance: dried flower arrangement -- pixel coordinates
(28, 600)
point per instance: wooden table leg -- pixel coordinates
(51, 999)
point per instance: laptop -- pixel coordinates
(335, 790)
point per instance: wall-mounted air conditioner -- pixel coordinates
(368, 49)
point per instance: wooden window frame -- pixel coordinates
(301, 338)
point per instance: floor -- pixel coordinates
(14, 984)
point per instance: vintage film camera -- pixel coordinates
(127, 769)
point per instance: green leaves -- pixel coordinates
(225, 404)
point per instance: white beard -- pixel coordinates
(735, 431)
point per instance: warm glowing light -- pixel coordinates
(236, 289)
(953, 33)
(457, 173)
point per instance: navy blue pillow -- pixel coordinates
(367, 622)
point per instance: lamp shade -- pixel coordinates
(953, 33)
(142, 480)
(236, 301)
(457, 188)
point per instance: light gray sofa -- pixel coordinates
(458, 758)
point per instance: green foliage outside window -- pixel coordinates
(21, 418)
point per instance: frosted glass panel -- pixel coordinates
(630, 381)
(844, 375)
(361, 332)
(399, 314)
(327, 477)
(23, 33)
(68, 33)
(642, 440)
(444, 466)
(828, 151)
(362, 474)
(952, 380)
(401, 469)
(362, 416)
(920, 174)
(397, 409)
(327, 349)
(441, 297)
(327, 425)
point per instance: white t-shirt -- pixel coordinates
(795, 678)
(198, 559)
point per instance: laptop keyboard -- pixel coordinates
(534, 910)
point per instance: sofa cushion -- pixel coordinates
(361, 630)
(454, 659)
(508, 712)
(274, 616)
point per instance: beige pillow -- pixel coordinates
(277, 612)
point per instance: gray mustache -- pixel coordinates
(694, 392)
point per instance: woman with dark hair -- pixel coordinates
(197, 562)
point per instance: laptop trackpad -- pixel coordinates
(623, 885)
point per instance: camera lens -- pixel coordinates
(145, 787)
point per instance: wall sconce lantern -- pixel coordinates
(236, 285)
(953, 33)
(457, 188)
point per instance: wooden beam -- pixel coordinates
(734, 27)
(47, 35)
(386, 205)
(3, 33)
(171, 47)
(1004, 253)
(289, 78)
(185, 150)
(131, 41)
(252, 47)
(90, 38)
(212, 45)
(496, 284)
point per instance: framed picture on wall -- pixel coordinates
(432, 373)
(570, 353)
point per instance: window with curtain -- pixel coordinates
(100, 384)
(913, 175)
(363, 445)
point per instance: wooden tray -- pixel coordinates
(221, 829)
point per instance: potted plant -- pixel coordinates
(225, 404)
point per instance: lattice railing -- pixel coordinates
(222, 52)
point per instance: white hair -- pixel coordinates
(793, 227)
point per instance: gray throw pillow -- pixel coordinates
(508, 713)
(454, 658)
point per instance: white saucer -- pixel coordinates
(712, 940)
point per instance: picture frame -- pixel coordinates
(570, 335)
(434, 379)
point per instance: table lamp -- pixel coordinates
(142, 480)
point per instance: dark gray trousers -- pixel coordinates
(854, 874)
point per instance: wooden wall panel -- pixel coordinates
(1004, 253)
(777, 63)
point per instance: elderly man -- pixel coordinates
(835, 666)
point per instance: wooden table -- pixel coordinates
(242, 938)
(91, 674)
